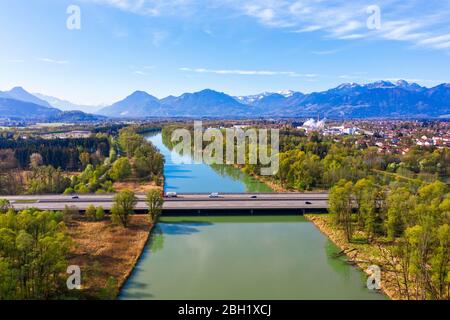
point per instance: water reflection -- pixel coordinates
(201, 177)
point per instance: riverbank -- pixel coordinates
(276, 187)
(105, 251)
(136, 186)
(362, 255)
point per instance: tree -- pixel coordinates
(440, 267)
(367, 196)
(121, 169)
(155, 202)
(124, 203)
(5, 205)
(36, 160)
(91, 212)
(47, 179)
(400, 206)
(85, 158)
(100, 213)
(341, 206)
(129, 140)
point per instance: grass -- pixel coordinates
(26, 201)
(103, 250)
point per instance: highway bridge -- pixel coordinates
(190, 203)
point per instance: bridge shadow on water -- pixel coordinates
(175, 170)
(183, 227)
(170, 176)
(170, 187)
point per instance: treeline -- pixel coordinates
(409, 224)
(318, 162)
(67, 154)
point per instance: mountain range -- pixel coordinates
(381, 99)
(19, 104)
(374, 100)
(65, 105)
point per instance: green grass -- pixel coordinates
(25, 201)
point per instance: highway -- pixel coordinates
(183, 202)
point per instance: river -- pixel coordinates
(258, 257)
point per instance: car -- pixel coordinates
(75, 196)
(307, 202)
(253, 197)
(214, 195)
(171, 194)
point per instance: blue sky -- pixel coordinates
(167, 47)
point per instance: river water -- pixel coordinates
(258, 257)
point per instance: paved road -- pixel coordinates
(186, 201)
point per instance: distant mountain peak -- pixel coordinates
(381, 84)
(19, 93)
(286, 93)
(138, 104)
(402, 83)
(18, 89)
(209, 92)
(139, 93)
(348, 85)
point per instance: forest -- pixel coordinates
(91, 165)
(33, 254)
(67, 154)
(409, 226)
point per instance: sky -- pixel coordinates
(240, 47)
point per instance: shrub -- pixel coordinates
(100, 214)
(91, 212)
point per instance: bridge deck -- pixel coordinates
(184, 202)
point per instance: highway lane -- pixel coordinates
(185, 201)
(180, 197)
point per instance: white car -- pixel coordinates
(171, 194)
(214, 195)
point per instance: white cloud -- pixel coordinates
(326, 52)
(248, 72)
(414, 21)
(48, 60)
(351, 36)
(144, 71)
(308, 29)
(348, 26)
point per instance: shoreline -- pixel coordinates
(135, 261)
(335, 236)
(271, 184)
